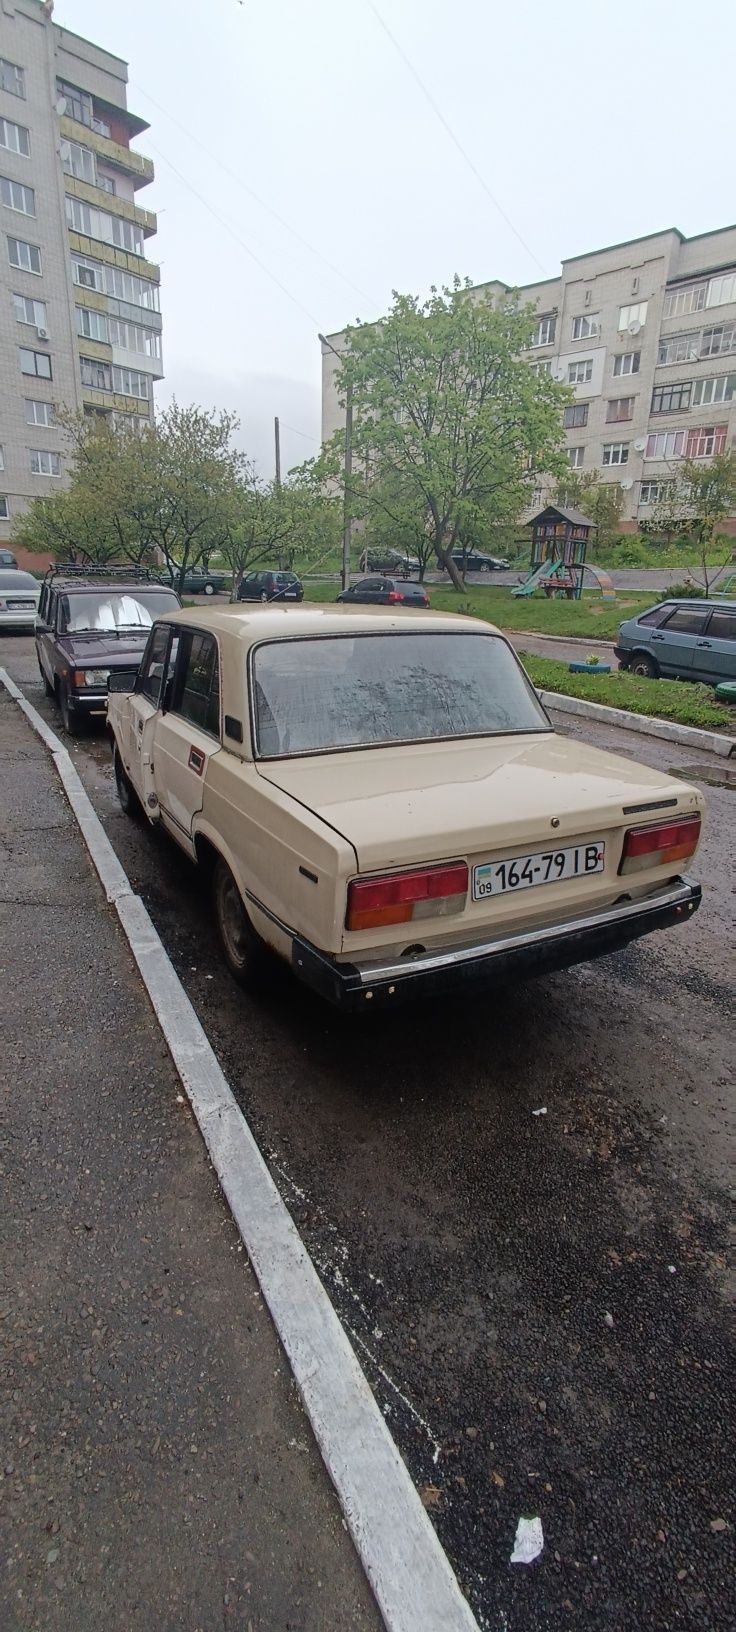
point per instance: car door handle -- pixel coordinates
(657, 637)
(703, 643)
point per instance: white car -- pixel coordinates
(19, 593)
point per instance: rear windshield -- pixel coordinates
(365, 691)
(111, 609)
(12, 578)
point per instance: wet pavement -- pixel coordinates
(519, 1205)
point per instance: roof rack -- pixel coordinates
(70, 569)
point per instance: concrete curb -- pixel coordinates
(563, 640)
(411, 1577)
(688, 735)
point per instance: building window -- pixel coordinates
(35, 362)
(134, 337)
(30, 311)
(671, 399)
(109, 280)
(680, 302)
(584, 327)
(15, 196)
(131, 383)
(580, 373)
(544, 333)
(542, 368)
(15, 137)
(633, 314)
(615, 453)
(106, 183)
(12, 78)
(654, 492)
(679, 348)
(92, 325)
(620, 408)
(110, 229)
(79, 106)
(576, 457)
(27, 257)
(39, 413)
(575, 416)
(4, 508)
(44, 463)
(722, 388)
(79, 161)
(719, 341)
(627, 362)
(709, 439)
(665, 445)
(722, 291)
(96, 374)
(88, 274)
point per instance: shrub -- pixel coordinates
(688, 590)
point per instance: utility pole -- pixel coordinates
(347, 520)
(277, 444)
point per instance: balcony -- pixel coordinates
(132, 164)
(111, 203)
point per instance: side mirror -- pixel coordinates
(122, 680)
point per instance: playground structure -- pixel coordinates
(558, 564)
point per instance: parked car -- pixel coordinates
(197, 581)
(476, 561)
(271, 585)
(682, 640)
(7, 559)
(88, 627)
(385, 804)
(385, 592)
(403, 566)
(19, 593)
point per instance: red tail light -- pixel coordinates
(397, 898)
(660, 842)
(395, 595)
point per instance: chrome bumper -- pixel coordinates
(507, 958)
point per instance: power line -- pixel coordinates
(233, 175)
(453, 138)
(297, 432)
(241, 241)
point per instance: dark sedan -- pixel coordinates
(385, 592)
(270, 585)
(476, 561)
(197, 581)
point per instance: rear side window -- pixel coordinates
(722, 625)
(152, 668)
(687, 620)
(654, 618)
(196, 690)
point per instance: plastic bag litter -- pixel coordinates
(528, 1542)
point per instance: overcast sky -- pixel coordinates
(589, 124)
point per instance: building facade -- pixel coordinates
(645, 335)
(80, 323)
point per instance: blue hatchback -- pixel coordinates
(681, 640)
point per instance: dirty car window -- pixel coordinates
(347, 691)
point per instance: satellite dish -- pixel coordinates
(640, 444)
(634, 326)
(627, 484)
(560, 374)
(60, 105)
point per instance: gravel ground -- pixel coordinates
(541, 1301)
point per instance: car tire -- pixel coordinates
(48, 689)
(264, 595)
(209, 589)
(243, 950)
(129, 802)
(70, 721)
(485, 566)
(642, 664)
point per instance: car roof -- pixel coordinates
(98, 584)
(249, 624)
(684, 600)
(11, 577)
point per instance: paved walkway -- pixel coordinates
(156, 1468)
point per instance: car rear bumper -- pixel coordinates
(498, 962)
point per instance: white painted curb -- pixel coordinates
(688, 735)
(407, 1568)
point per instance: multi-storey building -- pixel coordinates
(80, 325)
(645, 334)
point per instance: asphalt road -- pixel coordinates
(540, 1301)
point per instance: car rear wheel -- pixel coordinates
(129, 801)
(242, 947)
(209, 589)
(264, 594)
(641, 664)
(71, 721)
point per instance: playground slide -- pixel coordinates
(605, 584)
(548, 569)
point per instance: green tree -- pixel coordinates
(710, 491)
(602, 502)
(444, 404)
(397, 518)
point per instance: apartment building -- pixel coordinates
(645, 334)
(80, 323)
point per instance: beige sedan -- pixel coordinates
(381, 799)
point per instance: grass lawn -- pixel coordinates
(662, 699)
(590, 616)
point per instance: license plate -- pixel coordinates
(20, 606)
(543, 867)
